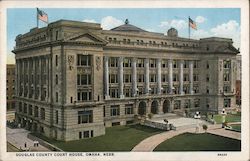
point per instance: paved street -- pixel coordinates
(18, 137)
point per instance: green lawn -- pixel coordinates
(229, 118)
(117, 138)
(199, 142)
(236, 127)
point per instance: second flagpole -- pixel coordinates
(188, 28)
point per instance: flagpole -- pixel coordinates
(188, 27)
(37, 21)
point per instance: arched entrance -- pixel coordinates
(154, 107)
(166, 106)
(142, 108)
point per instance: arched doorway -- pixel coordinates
(142, 108)
(166, 106)
(154, 107)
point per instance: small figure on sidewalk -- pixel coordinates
(25, 145)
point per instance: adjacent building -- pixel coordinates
(238, 80)
(10, 87)
(74, 78)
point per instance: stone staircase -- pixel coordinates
(165, 116)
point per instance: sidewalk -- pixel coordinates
(18, 137)
(150, 143)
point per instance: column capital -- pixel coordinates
(134, 59)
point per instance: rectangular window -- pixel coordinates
(186, 77)
(196, 77)
(115, 110)
(113, 93)
(30, 110)
(128, 109)
(86, 134)
(56, 117)
(85, 116)
(227, 64)
(42, 113)
(113, 62)
(152, 63)
(226, 77)
(175, 64)
(56, 96)
(56, 60)
(127, 78)
(164, 63)
(113, 78)
(140, 77)
(36, 111)
(84, 60)
(127, 92)
(80, 135)
(175, 77)
(56, 79)
(20, 107)
(207, 78)
(127, 62)
(152, 77)
(25, 108)
(140, 63)
(227, 102)
(196, 64)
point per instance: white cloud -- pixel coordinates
(110, 22)
(197, 34)
(178, 24)
(230, 29)
(89, 20)
(200, 19)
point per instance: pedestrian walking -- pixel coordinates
(25, 145)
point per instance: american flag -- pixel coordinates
(192, 24)
(41, 15)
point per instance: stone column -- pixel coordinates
(29, 77)
(160, 107)
(35, 77)
(181, 77)
(134, 77)
(170, 76)
(121, 77)
(106, 77)
(17, 82)
(40, 78)
(191, 77)
(146, 75)
(159, 76)
(23, 75)
(232, 77)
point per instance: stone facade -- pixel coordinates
(74, 79)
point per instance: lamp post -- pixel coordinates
(223, 113)
(197, 116)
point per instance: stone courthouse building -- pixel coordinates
(73, 79)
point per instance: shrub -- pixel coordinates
(150, 115)
(204, 127)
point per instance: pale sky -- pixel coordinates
(221, 22)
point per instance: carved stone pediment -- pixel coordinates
(87, 38)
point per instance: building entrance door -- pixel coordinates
(142, 108)
(166, 106)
